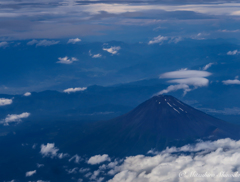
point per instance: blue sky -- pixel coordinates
(132, 21)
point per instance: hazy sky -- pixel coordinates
(118, 20)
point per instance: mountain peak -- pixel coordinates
(159, 122)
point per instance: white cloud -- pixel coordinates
(49, 150)
(4, 101)
(184, 73)
(231, 82)
(207, 66)
(11, 118)
(185, 79)
(3, 44)
(233, 52)
(66, 60)
(77, 89)
(72, 171)
(96, 56)
(113, 49)
(83, 170)
(159, 39)
(30, 173)
(42, 42)
(27, 94)
(215, 158)
(97, 159)
(73, 41)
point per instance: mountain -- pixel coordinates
(159, 122)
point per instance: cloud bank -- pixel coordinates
(3, 44)
(218, 161)
(4, 102)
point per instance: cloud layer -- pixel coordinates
(217, 159)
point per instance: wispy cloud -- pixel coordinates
(235, 52)
(73, 41)
(207, 66)
(158, 40)
(43, 42)
(66, 60)
(77, 89)
(113, 49)
(15, 118)
(30, 173)
(96, 56)
(4, 102)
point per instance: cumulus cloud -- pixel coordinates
(4, 101)
(27, 94)
(175, 40)
(15, 118)
(215, 159)
(73, 41)
(96, 56)
(207, 66)
(66, 60)
(3, 44)
(113, 49)
(77, 89)
(30, 173)
(159, 39)
(185, 79)
(235, 52)
(49, 150)
(232, 82)
(97, 159)
(42, 42)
